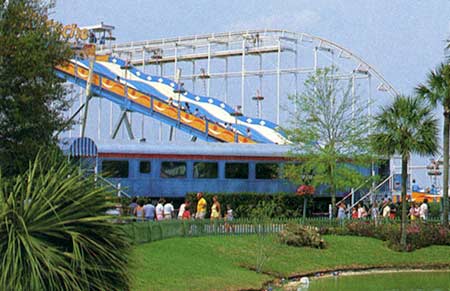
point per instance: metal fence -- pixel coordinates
(148, 231)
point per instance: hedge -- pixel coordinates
(288, 205)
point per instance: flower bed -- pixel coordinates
(419, 234)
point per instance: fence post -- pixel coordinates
(353, 197)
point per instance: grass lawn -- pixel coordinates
(219, 263)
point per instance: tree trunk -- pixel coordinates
(305, 202)
(333, 191)
(446, 170)
(404, 204)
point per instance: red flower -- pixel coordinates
(305, 190)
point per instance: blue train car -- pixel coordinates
(172, 170)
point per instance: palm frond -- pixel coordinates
(405, 127)
(55, 234)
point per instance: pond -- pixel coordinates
(402, 281)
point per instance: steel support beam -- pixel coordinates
(278, 80)
(123, 119)
(243, 78)
(88, 94)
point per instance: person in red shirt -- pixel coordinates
(354, 213)
(187, 213)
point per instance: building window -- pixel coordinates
(145, 167)
(203, 170)
(236, 170)
(173, 170)
(115, 169)
(267, 171)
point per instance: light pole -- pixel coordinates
(178, 90)
(236, 114)
(258, 98)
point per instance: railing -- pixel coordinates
(352, 192)
(148, 231)
(370, 192)
(117, 187)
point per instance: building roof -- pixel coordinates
(227, 149)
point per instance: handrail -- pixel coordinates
(109, 183)
(371, 191)
(352, 191)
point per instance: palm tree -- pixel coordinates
(437, 90)
(406, 127)
(55, 234)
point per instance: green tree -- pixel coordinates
(265, 245)
(55, 234)
(31, 96)
(437, 91)
(406, 127)
(329, 132)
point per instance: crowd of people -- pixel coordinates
(386, 210)
(145, 210)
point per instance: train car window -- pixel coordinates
(145, 167)
(173, 170)
(203, 170)
(236, 170)
(115, 169)
(267, 171)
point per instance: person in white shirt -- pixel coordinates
(168, 210)
(386, 211)
(160, 209)
(423, 210)
(182, 208)
(362, 213)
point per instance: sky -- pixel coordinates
(402, 39)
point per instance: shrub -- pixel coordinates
(361, 228)
(421, 235)
(286, 205)
(301, 236)
(55, 234)
(418, 234)
(434, 209)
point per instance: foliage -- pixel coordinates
(302, 236)
(434, 209)
(31, 96)
(406, 127)
(329, 130)
(437, 91)
(286, 204)
(262, 213)
(418, 235)
(360, 229)
(55, 234)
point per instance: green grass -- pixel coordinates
(219, 263)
